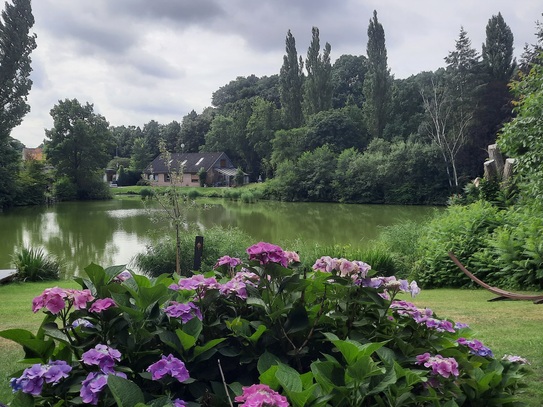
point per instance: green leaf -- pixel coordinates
(113, 271)
(125, 392)
(171, 339)
(297, 320)
(96, 274)
(266, 360)
(289, 378)
(209, 345)
(187, 341)
(258, 333)
(363, 368)
(33, 347)
(269, 377)
(21, 399)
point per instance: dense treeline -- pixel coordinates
(347, 131)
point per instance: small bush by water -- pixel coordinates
(33, 264)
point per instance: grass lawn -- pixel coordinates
(507, 327)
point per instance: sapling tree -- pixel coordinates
(171, 202)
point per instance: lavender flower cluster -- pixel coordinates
(261, 395)
(476, 347)
(34, 377)
(422, 316)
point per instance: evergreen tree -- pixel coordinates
(318, 84)
(16, 44)
(498, 50)
(290, 85)
(377, 83)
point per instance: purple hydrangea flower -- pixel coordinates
(476, 347)
(56, 370)
(267, 253)
(82, 322)
(102, 356)
(93, 385)
(102, 304)
(184, 311)
(179, 403)
(261, 395)
(169, 365)
(34, 377)
(125, 275)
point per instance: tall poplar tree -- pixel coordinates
(290, 85)
(377, 84)
(498, 50)
(318, 84)
(16, 45)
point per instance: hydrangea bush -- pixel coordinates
(263, 332)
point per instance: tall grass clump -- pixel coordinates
(33, 264)
(159, 257)
(232, 194)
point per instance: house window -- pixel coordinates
(153, 177)
(223, 163)
(194, 178)
(166, 177)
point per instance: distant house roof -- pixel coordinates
(191, 162)
(33, 154)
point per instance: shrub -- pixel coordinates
(253, 331)
(193, 194)
(147, 193)
(64, 189)
(464, 230)
(34, 265)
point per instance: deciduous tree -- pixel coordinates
(78, 144)
(16, 45)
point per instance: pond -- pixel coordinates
(113, 232)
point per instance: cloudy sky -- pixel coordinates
(142, 60)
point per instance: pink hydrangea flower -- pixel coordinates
(79, 298)
(441, 366)
(292, 257)
(227, 260)
(52, 299)
(55, 299)
(236, 287)
(196, 282)
(169, 365)
(123, 276)
(102, 304)
(516, 359)
(267, 253)
(261, 395)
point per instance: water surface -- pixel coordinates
(113, 232)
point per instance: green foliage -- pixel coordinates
(64, 189)
(464, 230)
(316, 337)
(33, 264)
(33, 183)
(159, 257)
(522, 138)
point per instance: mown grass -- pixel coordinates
(507, 327)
